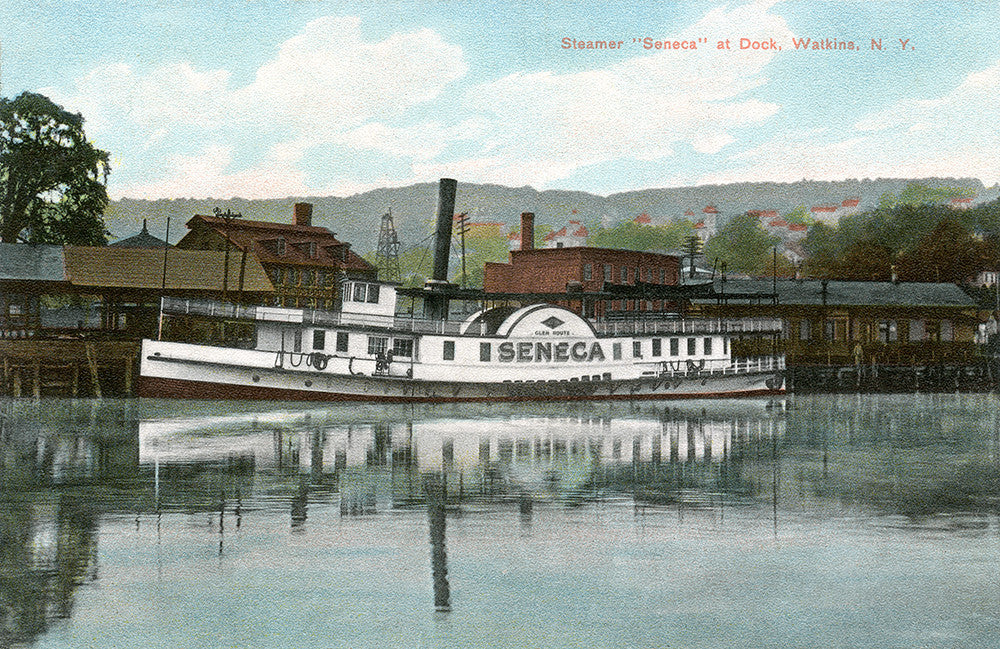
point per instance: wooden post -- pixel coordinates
(36, 380)
(17, 382)
(6, 375)
(92, 362)
(129, 361)
(76, 380)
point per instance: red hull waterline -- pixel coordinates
(160, 388)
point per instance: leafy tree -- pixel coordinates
(52, 179)
(920, 194)
(630, 235)
(799, 216)
(743, 245)
(948, 253)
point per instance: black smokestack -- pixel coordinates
(442, 238)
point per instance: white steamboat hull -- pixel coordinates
(166, 375)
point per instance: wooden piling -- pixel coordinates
(129, 363)
(92, 362)
(36, 380)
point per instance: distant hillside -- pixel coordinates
(356, 219)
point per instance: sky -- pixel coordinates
(278, 98)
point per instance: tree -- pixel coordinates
(52, 179)
(743, 245)
(633, 236)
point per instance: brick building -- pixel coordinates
(305, 263)
(556, 270)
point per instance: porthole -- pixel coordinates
(309, 384)
(256, 378)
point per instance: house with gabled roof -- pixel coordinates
(306, 263)
(571, 235)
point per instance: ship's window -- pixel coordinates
(281, 245)
(607, 272)
(624, 275)
(692, 346)
(588, 272)
(373, 293)
(616, 351)
(484, 352)
(377, 345)
(657, 347)
(341, 341)
(297, 342)
(307, 278)
(675, 346)
(637, 349)
(707, 345)
(402, 347)
(804, 329)
(319, 339)
(606, 376)
(448, 352)
(360, 289)
(312, 249)
(636, 276)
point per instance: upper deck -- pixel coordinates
(668, 326)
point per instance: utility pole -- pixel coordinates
(227, 217)
(463, 226)
(692, 245)
(387, 255)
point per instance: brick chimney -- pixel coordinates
(303, 214)
(527, 230)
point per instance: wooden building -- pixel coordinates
(71, 317)
(836, 322)
(306, 263)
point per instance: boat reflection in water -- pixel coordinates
(303, 481)
(405, 458)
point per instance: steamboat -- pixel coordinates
(511, 349)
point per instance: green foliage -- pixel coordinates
(482, 247)
(52, 179)
(416, 265)
(743, 245)
(632, 236)
(799, 216)
(915, 194)
(924, 242)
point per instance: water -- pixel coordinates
(830, 521)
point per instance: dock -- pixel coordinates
(69, 368)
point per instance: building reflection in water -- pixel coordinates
(59, 472)
(65, 465)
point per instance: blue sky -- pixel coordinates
(267, 99)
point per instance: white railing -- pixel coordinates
(672, 326)
(724, 366)
(690, 326)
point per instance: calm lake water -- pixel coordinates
(811, 521)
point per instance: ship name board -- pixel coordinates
(540, 352)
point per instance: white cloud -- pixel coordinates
(421, 143)
(641, 108)
(207, 175)
(328, 78)
(952, 135)
(326, 85)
